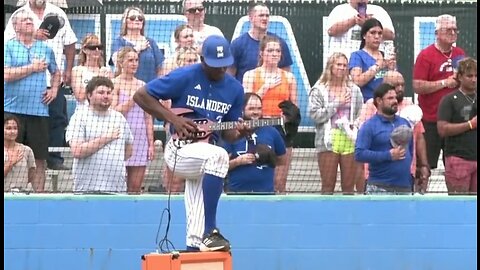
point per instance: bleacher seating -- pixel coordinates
(304, 176)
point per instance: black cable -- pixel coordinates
(165, 245)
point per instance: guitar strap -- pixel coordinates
(181, 143)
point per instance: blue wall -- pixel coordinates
(309, 232)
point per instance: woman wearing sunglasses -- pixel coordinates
(132, 34)
(90, 64)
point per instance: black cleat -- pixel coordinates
(214, 242)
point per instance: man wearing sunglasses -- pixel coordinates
(195, 13)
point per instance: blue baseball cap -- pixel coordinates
(216, 52)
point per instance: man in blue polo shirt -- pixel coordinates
(385, 142)
(246, 47)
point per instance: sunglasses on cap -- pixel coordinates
(94, 47)
(136, 17)
(195, 9)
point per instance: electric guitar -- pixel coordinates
(206, 127)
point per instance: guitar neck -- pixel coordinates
(249, 123)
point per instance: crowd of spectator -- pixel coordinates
(382, 142)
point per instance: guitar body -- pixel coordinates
(206, 127)
(203, 133)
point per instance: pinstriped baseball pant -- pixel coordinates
(192, 161)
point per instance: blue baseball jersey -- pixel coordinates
(245, 51)
(188, 87)
(253, 177)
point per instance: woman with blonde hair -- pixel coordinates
(184, 38)
(132, 34)
(90, 64)
(273, 85)
(140, 122)
(334, 104)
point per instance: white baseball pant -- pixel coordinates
(191, 162)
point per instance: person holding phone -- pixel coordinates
(344, 25)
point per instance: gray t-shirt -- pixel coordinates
(104, 170)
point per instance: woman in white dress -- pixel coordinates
(90, 64)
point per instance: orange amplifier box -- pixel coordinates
(187, 261)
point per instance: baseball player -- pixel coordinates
(210, 93)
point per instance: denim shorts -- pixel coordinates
(375, 189)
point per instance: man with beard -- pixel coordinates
(457, 123)
(247, 174)
(101, 140)
(389, 161)
(419, 168)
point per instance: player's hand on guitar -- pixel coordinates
(184, 127)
